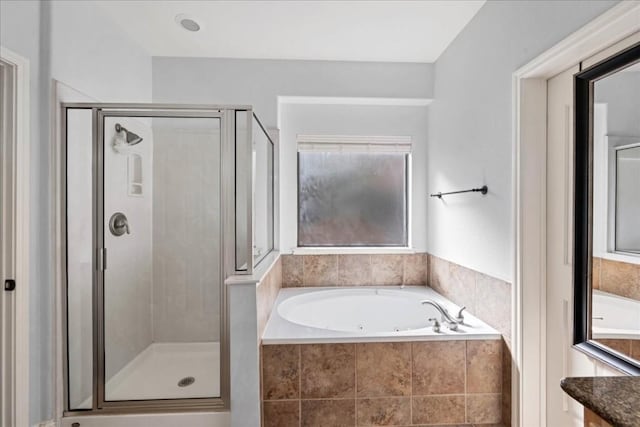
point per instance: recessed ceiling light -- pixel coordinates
(187, 23)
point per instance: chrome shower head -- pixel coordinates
(131, 138)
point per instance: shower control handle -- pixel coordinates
(119, 224)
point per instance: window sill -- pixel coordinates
(351, 250)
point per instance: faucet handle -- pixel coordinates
(460, 316)
(436, 324)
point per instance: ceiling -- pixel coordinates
(387, 31)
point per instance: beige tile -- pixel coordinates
(282, 413)
(292, 270)
(391, 411)
(461, 288)
(387, 269)
(620, 278)
(328, 370)
(595, 273)
(325, 413)
(506, 384)
(416, 269)
(354, 270)
(438, 367)
(438, 409)
(484, 366)
(484, 408)
(280, 372)
(383, 369)
(320, 270)
(493, 303)
(439, 274)
(619, 345)
(591, 419)
(635, 349)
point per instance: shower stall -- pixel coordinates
(161, 203)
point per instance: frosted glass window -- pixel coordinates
(352, 198)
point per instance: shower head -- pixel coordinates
(131, 138)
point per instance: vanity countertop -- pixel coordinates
(614, 399)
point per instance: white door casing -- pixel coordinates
(14, 238)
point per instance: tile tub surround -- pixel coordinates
(618, 278)
(627, 347)
(392, 383)
(355, 270)
(266, 294)
(487, 298)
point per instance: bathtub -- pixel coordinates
(615, 317)
(364, 314)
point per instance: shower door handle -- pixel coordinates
(119, 224)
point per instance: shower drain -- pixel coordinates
(186, 381)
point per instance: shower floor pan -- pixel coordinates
(169, 371)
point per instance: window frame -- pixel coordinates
(369, 144)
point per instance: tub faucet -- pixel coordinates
(451, 323)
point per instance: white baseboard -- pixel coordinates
(50, 423)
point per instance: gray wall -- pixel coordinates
(260, 82)
(470, 126)
(620, 92)
(75, 43)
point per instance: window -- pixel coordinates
(353, 191)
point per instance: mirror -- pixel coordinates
(607, 210)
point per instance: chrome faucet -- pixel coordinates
(451, 322)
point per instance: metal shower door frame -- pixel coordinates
(228, 147)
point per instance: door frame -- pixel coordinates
(529, 139)
(19, 168)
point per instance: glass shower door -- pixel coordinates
(161, 257)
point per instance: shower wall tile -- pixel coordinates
(366, 384)
(355, 270)
(128, 287)
(186, 237)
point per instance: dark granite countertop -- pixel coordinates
(615, 399)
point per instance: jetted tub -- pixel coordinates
(615, 317)
(365, 314)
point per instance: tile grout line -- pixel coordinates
(355, 385)
(466, 391)
(411, 383)
(299, 351)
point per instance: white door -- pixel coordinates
(559, 244)
(7, 245)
